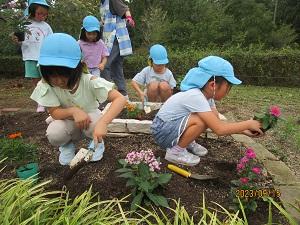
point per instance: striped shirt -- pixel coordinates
(115, 26)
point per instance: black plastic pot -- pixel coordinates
(20, 35)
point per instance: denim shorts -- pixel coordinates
(167, 133)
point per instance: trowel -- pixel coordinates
(146, 107)
(82, 157)
(188, 174)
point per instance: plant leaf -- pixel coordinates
(164, 178)
(137, 201)
(127, 175)
(123, 170)
(158, 200)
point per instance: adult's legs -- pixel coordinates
(113, 70)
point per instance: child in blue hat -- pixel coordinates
(187, 114)
(157, 79)
(93, 49)
(72, 98)
(35, 33)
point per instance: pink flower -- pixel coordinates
(275, 111)
(240, 167)
(244, 160)
(244, 180)
(250, 154)
(256, 170)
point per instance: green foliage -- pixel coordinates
(144, 183)
(290, 130)
(155, 24)
(17, 150)
(66, 15)
(133, 111)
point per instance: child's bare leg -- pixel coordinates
(194, 128)
(152, 92)
(165, 91)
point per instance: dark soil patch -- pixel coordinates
(220, 161)
(141, 116)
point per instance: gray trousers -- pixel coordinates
(113, 70)
(61, 132)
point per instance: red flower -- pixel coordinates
(15, 135)
(275, 111)
(244, 180)
(250, 154)
(256, 170)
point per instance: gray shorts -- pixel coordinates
(167, 133)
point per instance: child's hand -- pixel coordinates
(142, 96)
(251, 133)
(101, 66)
(81, 119)
(254, 129)
(99, 132)
(14, 38)
(130, 21)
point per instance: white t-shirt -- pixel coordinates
(31, 45)
(185, 103)
(148, 75)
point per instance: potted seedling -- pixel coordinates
(269, 118)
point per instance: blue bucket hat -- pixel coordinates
(208, 67)
(39, 2)
(91, 23)
(158, 54)
(60, 49)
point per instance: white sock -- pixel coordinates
(177, 149)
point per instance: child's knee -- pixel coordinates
(57, 133)
(153, 86)
(164, 86)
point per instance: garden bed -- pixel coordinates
(221, 161)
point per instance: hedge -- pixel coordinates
(268, 68)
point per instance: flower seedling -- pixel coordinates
(141, 169)
(250, 182)
(269, 119)
(132, 111)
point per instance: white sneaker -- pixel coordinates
(197, 149)
(67, 153)
(182, 157)
(98, 154)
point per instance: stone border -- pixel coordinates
(132, 126)
(282, 176)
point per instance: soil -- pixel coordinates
(142, 116)
(221, 161)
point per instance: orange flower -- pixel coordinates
(15, 135)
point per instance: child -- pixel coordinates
(157, 78)
(72, 98)
(93, 48)
(187, 114)
(34, 35)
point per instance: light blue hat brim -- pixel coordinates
(91, 29)
(160, 62)
(50, 61)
